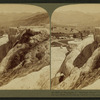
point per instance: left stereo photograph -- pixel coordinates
(24, 47)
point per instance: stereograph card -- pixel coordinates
(49, 49)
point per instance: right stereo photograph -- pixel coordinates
(75, 47)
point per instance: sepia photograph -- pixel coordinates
(24, 47)
(75, 47)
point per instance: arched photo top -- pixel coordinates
(19, 8)
(79, 7)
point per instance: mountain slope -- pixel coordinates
(37, 19)
(23, 19)
(75, 17)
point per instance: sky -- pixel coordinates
(87, 8)
(19, 8)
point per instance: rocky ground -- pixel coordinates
(35, 80)
(77, 78)
(26, 59)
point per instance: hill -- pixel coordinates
(23, 19)
(75, 18)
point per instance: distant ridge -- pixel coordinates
(75, 17)
(23, 19)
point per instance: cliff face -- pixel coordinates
(26, 52)
(78, 77)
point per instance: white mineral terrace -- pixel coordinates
(3, 39)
